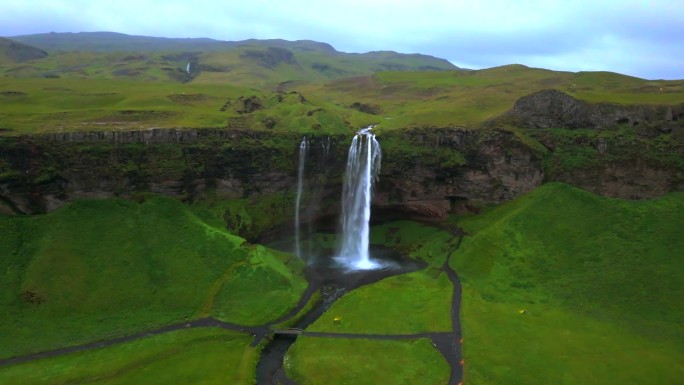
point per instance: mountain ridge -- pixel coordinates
(106, 41)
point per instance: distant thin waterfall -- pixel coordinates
(326, 149)
(363, 166)
(187, 68)
(303, 146)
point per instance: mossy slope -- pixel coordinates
(365, 362)
(198, 356)
(600, 282)
(102, 268)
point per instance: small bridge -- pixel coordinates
(290, 332)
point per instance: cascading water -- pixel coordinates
(326, 149)
(363, 166)
(303, 146)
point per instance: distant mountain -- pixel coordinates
(15, 52)
(119, 42)
(113, 42)
(106, 55)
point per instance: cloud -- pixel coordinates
(641, 38)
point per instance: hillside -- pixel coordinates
(394, 100)
(107, 55)
(113, 42)
(564, 281)
(98, 269)
(12, 52)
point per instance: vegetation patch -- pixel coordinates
(416, 240)
(260, 289)
(314, 360)
(98, 269)
(190, 356)
(405, 304)
(570, 282)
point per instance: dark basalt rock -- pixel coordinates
(425, 174)
(270, 57)
(249, 104)
(556, 109)
(367, 108)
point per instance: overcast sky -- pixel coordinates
(639, 38)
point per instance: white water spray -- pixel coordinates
(303, 146)
(187, 68)
(363, 166)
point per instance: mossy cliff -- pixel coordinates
(426, 172)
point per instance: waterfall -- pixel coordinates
(363, 166)
(326, 149)
(300, 182)
(187, 68)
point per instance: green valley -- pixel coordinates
(180, 211)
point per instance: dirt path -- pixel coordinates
(447, 343)
(204, 322)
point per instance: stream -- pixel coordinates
(333, 282)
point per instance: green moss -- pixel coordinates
(97, 269)
(404, 304)
(356, 361)
(415, 240)
(248, 217)
(599, 280)
(588, 149)
(549, 344)
(259, 290)
(187, 356)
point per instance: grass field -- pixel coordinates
(314, 360)
(599, 280)
(96, 269)
(394, 100)
(193, 356)
(559, 286)
(405, 304)
(468, 99)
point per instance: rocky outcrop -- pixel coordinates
(270, 57)
(493, 166)
(555, 109)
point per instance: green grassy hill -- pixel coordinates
(12, 52)
(96, 269)
(470, 98)
(192, 356)
(263, 63)
(563, 286)
(147, 93)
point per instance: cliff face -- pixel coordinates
(429, 173)
(40, 173)
(426, 173)
(423, 172)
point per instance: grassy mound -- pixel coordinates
(565, 283)
(197, 356)
(361, 362)
(405, 304)
(416, 240)
(102, 268)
